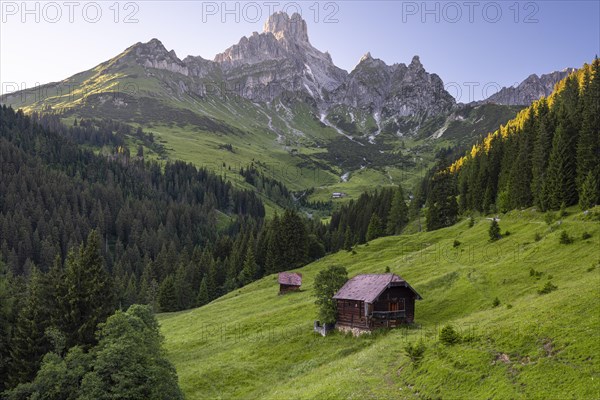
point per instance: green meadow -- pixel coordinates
(516, 342)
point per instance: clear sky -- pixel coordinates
(473, 44)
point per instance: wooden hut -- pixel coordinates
(289, 281)
(367, 302)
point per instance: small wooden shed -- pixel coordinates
(371, 301)
(289, 281)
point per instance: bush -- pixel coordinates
(449, 335)
(327, 282)
(507, 233)
(537, 237)
(496, 302)
(535, 274)
(471, 221)
(549, 218)
(415, 351)
(586, 235)
(548, 287)
(456, 243)
(565, 238)
(494, 231)
(509, 306)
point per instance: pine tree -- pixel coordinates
(348, 241)
(442, 205)
(6, 303)
(248, 272)
(183, 283)
(588, 145)
(541, 153)
(374, 230)
(29, 342)
(560, 186)
(89, 293)
(588, 196)
(494, 230)
(167, 295)
(398, 215)
(203, 296)
(130, 296)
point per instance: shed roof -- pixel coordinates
(290, 278)
(369, 287)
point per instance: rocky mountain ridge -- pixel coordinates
(531, 89)
(282, 60)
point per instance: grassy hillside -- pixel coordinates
(253, 343)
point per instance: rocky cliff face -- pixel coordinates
(531, 89)
(282, 61)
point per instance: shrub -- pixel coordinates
(509, 306)
(471, 221)
(449, 335)
(494, 231)
(506, 233)
(415, 351)
(327, 282)
(548, 287)
(586, 235)
(565, 238)
(535, 274)
(537, 237)
(456, 243)
(549, 218)
(496, 302)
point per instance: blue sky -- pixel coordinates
(470, 44)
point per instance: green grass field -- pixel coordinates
(253, 343)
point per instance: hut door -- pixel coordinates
(393, 306)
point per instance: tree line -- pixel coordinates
(546, 157)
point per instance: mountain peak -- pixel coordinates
(283, 26)
(366, 57)
(416, 62)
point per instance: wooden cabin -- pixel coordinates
(367, 302)
(289, 282)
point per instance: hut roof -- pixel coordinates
(369, 287)
(290, 278)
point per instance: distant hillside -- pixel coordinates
(253, 343)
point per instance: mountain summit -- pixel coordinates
(287, 28)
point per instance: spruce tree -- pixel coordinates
(560, 185)
(167, 295)
(442, 206)
(6, 302)
(588, 197)
(249, 270)
(89, 297)
(494, 230)
(398, 215)
(203, 296)
(374, 230)
(588, 145)
(29, 342)
(541, 153)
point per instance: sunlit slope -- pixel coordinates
(253, 343)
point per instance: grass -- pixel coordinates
(253, 343)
